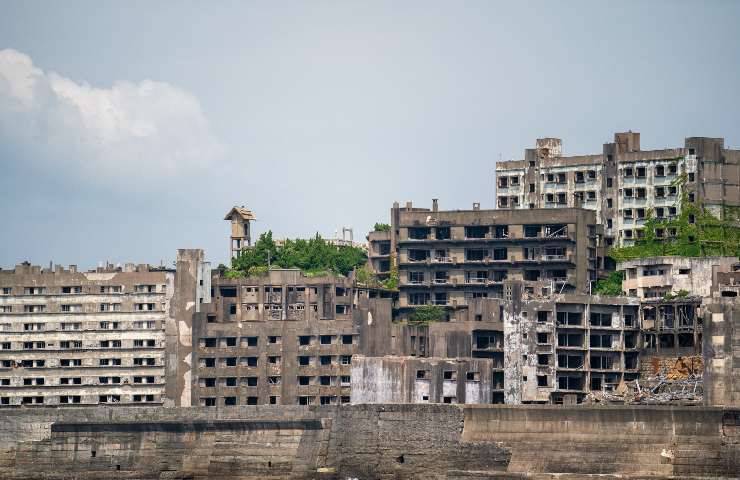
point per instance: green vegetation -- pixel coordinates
(611, 285)
(314, 257)
(382, 227)
(694, 233)
(427, 314)
(391, 283)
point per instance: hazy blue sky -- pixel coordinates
(128, 129)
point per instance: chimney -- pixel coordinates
(408, 206)
(73, 269)
(435, 205)
(476, 205)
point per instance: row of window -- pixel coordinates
(303, 340)
(77, 362)
(71, 399)
(303, 360)
(39, 381)
(48, 326)
(78, 289)
(301, 380)
(77, 344)
(274, 400)
(78, 308)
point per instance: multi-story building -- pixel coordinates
(97, 337)
(282, 338)
(448, 258)
(655, 277)
(623, 184)
(379, 252)
(561, 348)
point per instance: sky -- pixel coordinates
(129, 129)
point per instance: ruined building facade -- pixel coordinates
(622, 183)
(97, 337)
(448, 258)
(283, 338)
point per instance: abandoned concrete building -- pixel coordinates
(473, 340)
(283, 338)
(447, 258)
(623, 183)
(420, 380)
(96, 337)
(657, 276)
(561, 348)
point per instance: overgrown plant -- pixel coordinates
(694, 232)
(611, 285)
(314, 256)
(427, 314)
(381, 227)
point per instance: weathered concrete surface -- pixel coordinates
(369, 442)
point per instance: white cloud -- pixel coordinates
(128, 135)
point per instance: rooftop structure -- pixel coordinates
(241, 237)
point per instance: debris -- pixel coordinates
(680, 383)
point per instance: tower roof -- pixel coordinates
(240, 212)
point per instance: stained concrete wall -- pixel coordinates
(369, 442)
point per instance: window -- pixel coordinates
(71, 308)
(416, 255)
(69, 399)
(252, 361)
(500, 254)
(325, 360)
(325, 339)
(422, 374)
(415, 277)
(347, 339)
(601, 340)
(304, 340)
(304, 380)
(144, 361)
(345, 359)
(304, 360)
(273, 339)
(208, 362)
(208, 402)
(108, 362)
(273, 380)
(110, 307)
(542, 338)
(542, 381)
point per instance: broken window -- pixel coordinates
(422, 374)
(543, 359)
(659, 171)
(441, 233)
(416, 255)
(640, 172)
(503, 182)
(531, 275)
(542, 316)
(579, 178)
(419, 233)
(600, 319)
(416, 277)
(570, 361)
(475, 254)
(601, 340)
(570, 340)
(476, 232)
(532, 231)
(604, 362)
(501, 231)
(543, 338)
(570, 383)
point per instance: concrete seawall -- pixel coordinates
(369, 442)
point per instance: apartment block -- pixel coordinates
(656, 277)
(473, 340)
(623, 183)
(561, 348)
(449, 258)
(96, 337)
(283, 338)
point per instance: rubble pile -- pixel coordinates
(682, 384)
